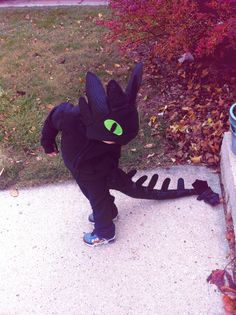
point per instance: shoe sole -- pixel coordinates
(105, 242)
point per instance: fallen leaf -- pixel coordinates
(152, 121)
(196, 159)
(205, 72)
(2, 170)
(149, 146)
(150, 155)
(221, 102)
(229, 304)
(227, 289)
(185, 108)
(14, 192)
(50, 106)
(61, 60)
(217, 277)
(109, 72)
(230, 236)
(20, 93)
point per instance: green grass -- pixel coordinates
(45, 54)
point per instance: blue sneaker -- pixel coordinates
(91, 218)
(93, 240)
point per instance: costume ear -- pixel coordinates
(134, 83)
(96, 95)
(85, 111)
(117, 99)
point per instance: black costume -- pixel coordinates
(110, 116)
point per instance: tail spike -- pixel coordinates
(165, 184)
(141, 180)
(152, 182)
(180, 185)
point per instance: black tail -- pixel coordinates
(121, 181)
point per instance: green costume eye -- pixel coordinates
(113, 127)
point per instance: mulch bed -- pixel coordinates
(193, 99)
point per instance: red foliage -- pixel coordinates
(168, 28)
(226, 285)
(229, 304)
(217, 278)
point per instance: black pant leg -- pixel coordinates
(102, 204)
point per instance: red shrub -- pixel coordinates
(168, 28)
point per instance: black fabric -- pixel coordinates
(49, 134)
(200, 186)
(127, 119)
(111, 115)
(89, 161)
(209, 197)
(102, 204)
(93, 159)
(123, 182)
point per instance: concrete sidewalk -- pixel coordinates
(228, 174)
(164, 252)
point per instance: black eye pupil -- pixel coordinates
(113, 127)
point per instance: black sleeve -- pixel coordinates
(52, 125)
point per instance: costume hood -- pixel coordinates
(111, 115)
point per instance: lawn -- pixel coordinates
(44, 56)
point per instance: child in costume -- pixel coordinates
(92, 134)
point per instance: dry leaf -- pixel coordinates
(2, 170)
(50, 106)
(109, 72)
(14, 192)
(217, 277)
(230, 236)
(205, 72)
(150, 155)
(229, 304)
(196, 159)
(149, 146)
